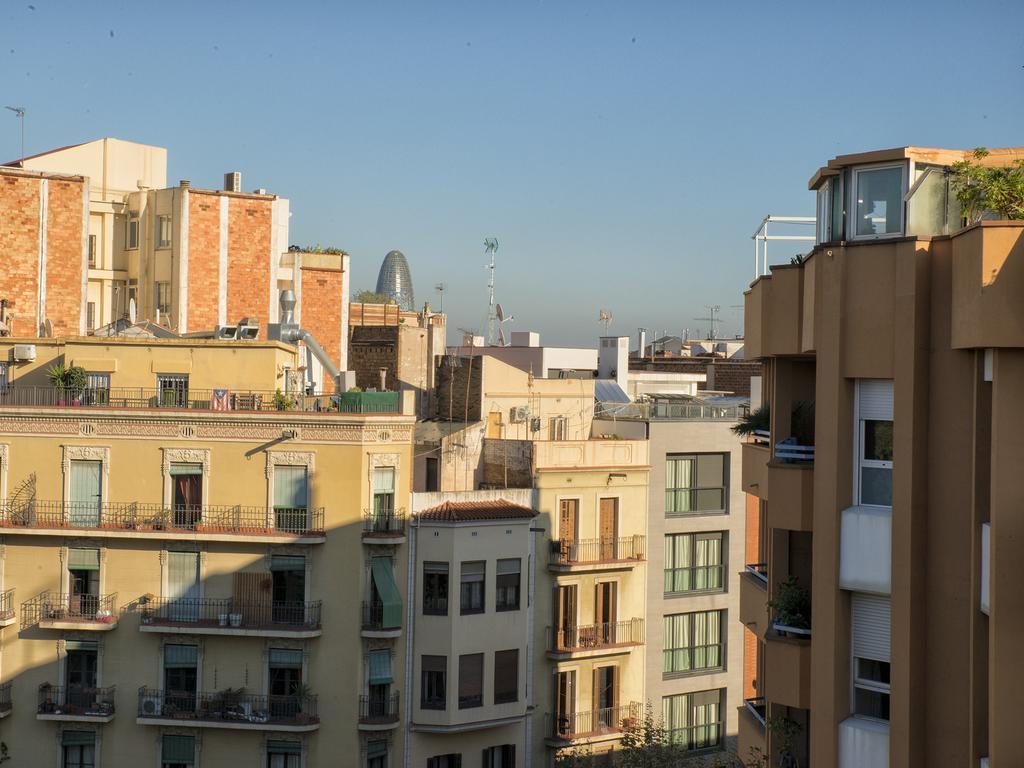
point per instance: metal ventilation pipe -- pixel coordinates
(292, 334)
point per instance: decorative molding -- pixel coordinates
(86, 429)
(5, 457)
(86, 453)
(292, 458)
(186, 456)
(384, 460)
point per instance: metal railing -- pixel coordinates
(7, 604)
(605, 550)
(76, 700)
(373, 709)
(384, 524)
(695, 578)
(594, 722)
(596, 636)
(373, 616)
(5, 697)
(758, 570)
(231, 706)
(758, 708)
(793, 452)
(134, 516)
(83, 609)
(652, 411)
(228, 613)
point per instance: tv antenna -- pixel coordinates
(20, 112)
(713, 312)
(491, 247)
(440, 288)
(604, 317)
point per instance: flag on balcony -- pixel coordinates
(220, 400)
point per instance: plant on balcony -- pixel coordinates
(784, 731)
(757, 420)
(801, 423)
(282, 402)
(982, 190)
(791, 605)
(70, 382)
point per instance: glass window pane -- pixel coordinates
(710, 500)
(926, 209)
(876, 486)
(871, 703)
(875, 671)
(879, 201)
(878, 440)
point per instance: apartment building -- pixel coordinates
(470, 562)
(893, 513)
(174, 534)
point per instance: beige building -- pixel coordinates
(174, 535)
(898, 507)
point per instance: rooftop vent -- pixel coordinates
(184, 183)
(233, 181)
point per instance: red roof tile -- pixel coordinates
(460, 511)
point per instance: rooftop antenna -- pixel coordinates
(491, 247)
(604, 317)
(20, 112)
(440, 288)
(502, 318)
(713, 311)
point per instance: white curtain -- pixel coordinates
(679, 473)
(708, 558)
(678, 562)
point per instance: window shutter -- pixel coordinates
(380, 667)
(384, 580)
(384, 480)
(875, 399)
(81, 645)
(179, 749)
(186, 469)
(287, 563)
(290, 486)
(511, 565)
(78, 738)
(285, 657)
(83, 560)
(871, 626)
(176, 656)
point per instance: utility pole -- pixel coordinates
(20, 112)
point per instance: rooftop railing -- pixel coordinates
(596, 636)
(134, 516)
(228, 613)
(669, 411)
(76, 700)
(384, 524)
(593, 551)
(228, 706)
(594, 722)
(83, 609)
(373, 709)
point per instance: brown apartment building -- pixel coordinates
(897, 507)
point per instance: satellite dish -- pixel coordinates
(500, 314)
(501, 338)
(131, 310)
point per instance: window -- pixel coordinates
(163, 298)
(383, 492)
(177, 751)
(92, 250)
(874, 442)
(384, 592)
(78, 749)
(500, 757)
(377, 754)
(81, 675)
(90, 316)
(693, 562)
(695, 484)
(830, 210)
(435, 589)
(97, 389)
(381, 703)
(181, 677)
(83, 583)
(432, 481)
(85, 485)
(452, 760)
(506, 676)
(559, 427)
(506, 593)
(284, 667)
(471, 588)
(172, 390)
(433, 682)
(163, 231)
(471, 680)
(288, 589)
(131, 232)
(878, 194)
(871, 619)
(285, 754)
(291, 497)
(693, 720)
(693, 642)
(5, 377)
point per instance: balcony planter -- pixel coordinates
(792, 607)
(236, 619)
(222, 620)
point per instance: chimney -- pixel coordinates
(233, 181)
(642, 341)
(184, 183)
(383, 372)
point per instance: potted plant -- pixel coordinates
(757, 420)
(784, 731)
(283, 402)
(235, 619)
(222, 619)
(791, 605)
(69, 382)
(802, 422)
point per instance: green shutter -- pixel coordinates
(285, 657)
(180, 656)
(287, 563)
(179, 749)
(377, 748)
(390, 597)
(186, 469)
(284, 747)
(81, 645)
(380, 667)
(78, 738)
(290, 486)
(83, 560)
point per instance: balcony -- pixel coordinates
(597, 554)
(224, 616)
(228, 709)
(754, 598)
(378, 714)
(135, 520)
(374, 625)
(384, 527)
(755, 457)
(595, 725)
(7, 616)
(368, 402)
(791, 489)
(751, 721)
(787, 668)
(50, 610)
(5, 700)
(594, 639)
(76, 703)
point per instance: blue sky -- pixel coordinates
(622, 153)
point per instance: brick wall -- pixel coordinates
(370, 349)
(380, 314)
(322, 297)
(506, 464)
(249, 231)
(203, 262)
(457, 386)
(65, 209)
(19, 250)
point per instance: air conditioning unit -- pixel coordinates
(151, 705)
(518, 414)
(24, 353)
(535, 425)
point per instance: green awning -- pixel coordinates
(78, 738)
(179, 749)
(83, 560)
(377, 748)
(180, 656)
(380, 667)
(384, 581)
(287, 563)
(285, 657)
(81, 645)
(186, 469)
(284, 747)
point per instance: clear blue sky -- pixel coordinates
(622, 153)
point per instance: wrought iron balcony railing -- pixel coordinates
(228, 613)
(7, 604)
(382, 709)
(596, 636)
(84, 609)
(384, 524)
(76, 700)
(595, 722)
(228, 706)
(605, 550)
(373, 617)
(134, 516)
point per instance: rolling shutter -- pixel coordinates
(83, 559)
(179, 749)
(874, 399)
(384, 580)
(871, 626)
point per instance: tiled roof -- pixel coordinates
(460, 511)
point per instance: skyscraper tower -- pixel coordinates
(394, 280)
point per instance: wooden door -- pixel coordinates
(565, 703)
(606, 697)
(608, 527)
(568, 528)
(606, 609)
(565, 616)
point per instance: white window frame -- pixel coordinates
(161, 219)
(824, 212)
(131, 232)
(852, 214)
